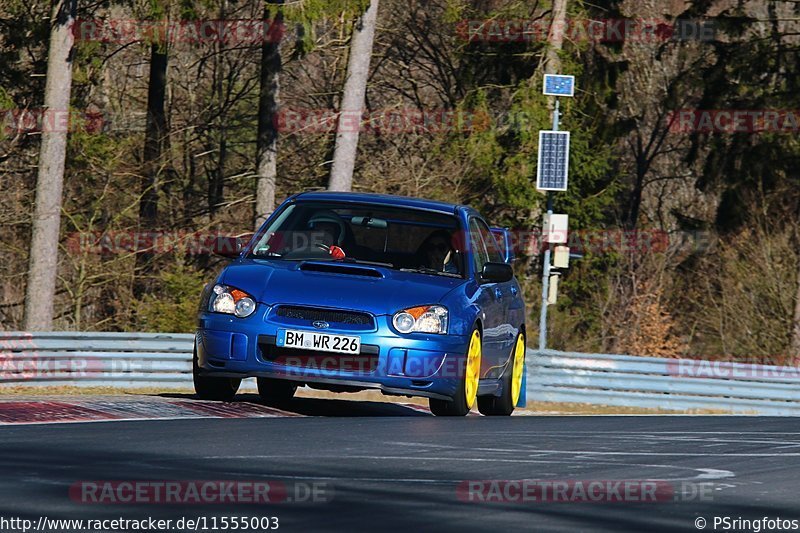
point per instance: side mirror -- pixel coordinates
(497, 273)
(229, 247)
(503, 238)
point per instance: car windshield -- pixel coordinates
(402, 239)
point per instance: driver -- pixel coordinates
(327, 228)
(437, 252)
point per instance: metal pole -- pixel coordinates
(547, 254)
(556, 116)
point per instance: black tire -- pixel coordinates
(211, 388)
(458, 405)
(502, 405)
(275, 391)
(497, 405)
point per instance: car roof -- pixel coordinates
(382, 199)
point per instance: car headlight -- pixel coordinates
(231, 301)
(422, 319)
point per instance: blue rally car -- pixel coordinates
(346, 291)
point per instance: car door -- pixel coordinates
(513, 306)
(507, 294)
(490, 299)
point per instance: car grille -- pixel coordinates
(328, 315)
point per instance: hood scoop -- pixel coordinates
(339, 268)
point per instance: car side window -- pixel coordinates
(490, 241)
(479, 255)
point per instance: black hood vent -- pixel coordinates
(339, 268)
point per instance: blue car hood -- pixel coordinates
(284, 282)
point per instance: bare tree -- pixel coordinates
(267, 141)
(43, 263)
(794, 347)
(155, 137)
(155, 134)
(355, 89)
(555, 38)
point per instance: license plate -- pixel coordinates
(318, 342)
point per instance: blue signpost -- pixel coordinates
(557, 85)
(551, 175)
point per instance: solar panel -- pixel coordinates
(553, 169)
(555, 85)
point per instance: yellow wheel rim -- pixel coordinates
(473, 372)
(519, 365)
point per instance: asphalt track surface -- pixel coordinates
(385, 467)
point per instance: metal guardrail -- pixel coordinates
(164, 360)
(673, 384)
(84, 359)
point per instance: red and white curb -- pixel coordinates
(78, 410)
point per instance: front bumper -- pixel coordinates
(415, 364)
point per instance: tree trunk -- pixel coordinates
(43, 264)
(154, 139)
(555, 38)
(267, 141)
(216, 182)
(637, 194)
(355, 88)
(155, 134)
(795, 344)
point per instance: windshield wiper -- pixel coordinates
(347, 260)
(432, 271)
(363, 262)
(266, 253)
